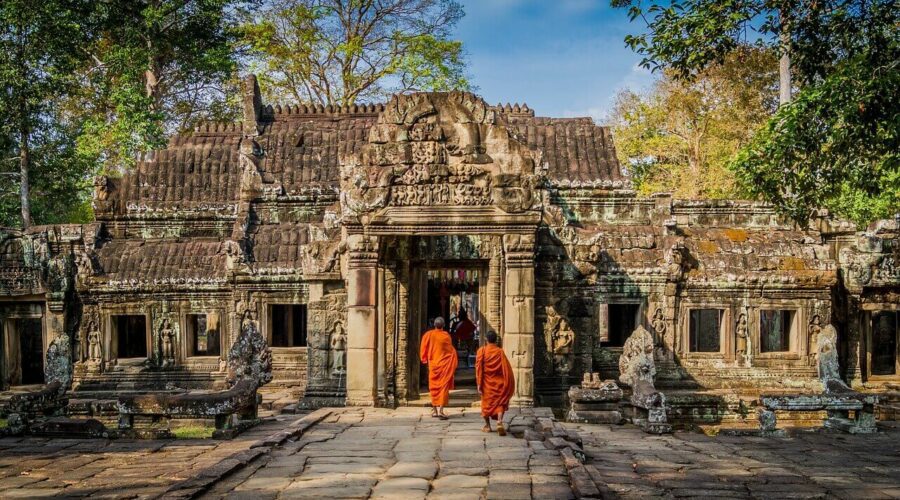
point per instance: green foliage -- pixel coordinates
(155, 68)
(41, 43)
(337, 52)
(836, 145)
(680, 136)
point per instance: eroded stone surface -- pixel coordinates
(631, 464)
(404, 453)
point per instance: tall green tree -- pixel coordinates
(836, 144)
(681, 134)
(156, 68)
(40, 43)
(346, 51)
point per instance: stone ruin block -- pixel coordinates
(836, 399)
(595, 401)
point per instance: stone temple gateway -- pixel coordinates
(343, 231)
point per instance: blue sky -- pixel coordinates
(563, 57)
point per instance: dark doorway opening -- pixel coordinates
(885, 327)
(31, 347)
(622, 322)
(131, 335)
(288, 325)
(453, 293)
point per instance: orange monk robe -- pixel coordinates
(437, 350)
(494, 377)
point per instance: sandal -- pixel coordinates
(501, 430)
(486, 428)
(434, 413)
(443, 417)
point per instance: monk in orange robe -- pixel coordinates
(496, 383)
(438, 353)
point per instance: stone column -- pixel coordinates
(362, 323)
(518, 314)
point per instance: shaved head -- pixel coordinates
(439, 322)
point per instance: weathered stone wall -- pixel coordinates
(298, 205)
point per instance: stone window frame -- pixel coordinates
(726, 330)
(111, 338)
(866, 316)
(797, 339)
(603, 316)
(187, 336)
(266, 304)
(12, 312)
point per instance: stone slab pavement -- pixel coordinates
(632, 464)
(401, 454)
(32, 467)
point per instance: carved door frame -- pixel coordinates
(418, 303)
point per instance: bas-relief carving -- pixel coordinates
(813, 330)
(166, 344)
(560, 337)
(421, 154)
(660, 327)
(327, 341)
(338, 351)
(742, 337)
(320, 257)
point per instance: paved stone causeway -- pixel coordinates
(406, 454)
(39, 467)
(402, 454)
(807, 465)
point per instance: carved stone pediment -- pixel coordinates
(439, 149)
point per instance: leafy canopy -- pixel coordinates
(155, 68)
(836, 144)
(342, 52)
(680, 135)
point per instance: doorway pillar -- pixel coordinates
(362, 322)
(518, 314)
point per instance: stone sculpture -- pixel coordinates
(637, 369)
(250, 357)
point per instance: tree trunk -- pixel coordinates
(24, 186)
(784, 79)
(784, 67)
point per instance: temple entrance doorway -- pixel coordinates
(23, 345)
(455, 293)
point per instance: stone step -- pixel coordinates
(466, 397)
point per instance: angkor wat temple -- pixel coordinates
(346, 230)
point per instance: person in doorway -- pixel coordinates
(438, 353)
(495, 381)
(464, 334)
